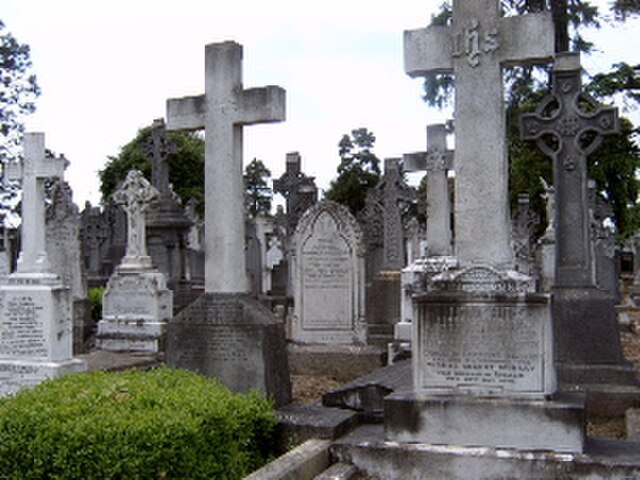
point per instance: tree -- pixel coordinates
(359, 170)
(186, 167)
(18, 91)
(257, 195)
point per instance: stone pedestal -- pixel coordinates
(135, 309)
(587, 340)
(550, 425)
(483, 370)
(36, 326)
(234, 338)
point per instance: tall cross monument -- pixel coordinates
(226, 333)
(223, 111)
(32, 171)
(475, 47)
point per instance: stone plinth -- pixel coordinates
(135, 310)
(234, 338)
(36, 326)
(556, 425)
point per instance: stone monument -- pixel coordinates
(35, 306)
(65, 256)
(327, 264)
(226, 333)
(168, 226)
(137, 304)
(482, 344)
(587, 342)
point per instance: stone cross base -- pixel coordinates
(234, 338)
(587, 340)
(18, 374)
(556, 425)
(135, 310)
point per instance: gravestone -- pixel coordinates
(482, 344)
(437, 161)
(587, 342)
(225, 333)
(196, 245)
(522, 237)
(64, 253)
(605, 259)
(385, 250)
(168, 226)
(35, 307)
(95, 239)
(546, 248)
(137, 304)
(299, 190)
(475, 47)
(327, 263)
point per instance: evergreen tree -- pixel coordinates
(359, 170)
(258, 195)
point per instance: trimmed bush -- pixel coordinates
(159, 424)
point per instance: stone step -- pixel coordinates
(305, 462)
(338, 471)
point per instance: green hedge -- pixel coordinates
(134, 425)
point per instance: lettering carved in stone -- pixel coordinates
(472, 43)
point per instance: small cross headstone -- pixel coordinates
(32, 171)
(561, 116)
(437, 161)
(475, 47)
(135, 194)
(298, 189)
(223, 111)
(159, 147)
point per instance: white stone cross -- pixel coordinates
(475, 48)
(223, 111)
(32, 171)
(135, 194)
(437, 161)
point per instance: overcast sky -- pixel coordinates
(106, 69)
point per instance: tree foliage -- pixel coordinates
(18, 92)
(358, 171)
(186, 167)
(258, 194)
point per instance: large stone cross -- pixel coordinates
(568, 115)
(437, 161)
(159, 147)
(35, 167)
(135, 194)
(475, 48)
(224, 109)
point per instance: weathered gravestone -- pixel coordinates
(168, 226)
(35, 307)
(385, 250)
(328, 276)
(65, 256)
(136, 305)
(225, 333)
(587, 342)
(482, 345)
(437, 161)
(299, 190)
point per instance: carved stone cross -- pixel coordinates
(475, 48)
(392, 191)
(135, 194)
(298, 189)
(568, 115)
(437, 161)
(32, 171)
(224, 109)
(159, 147)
